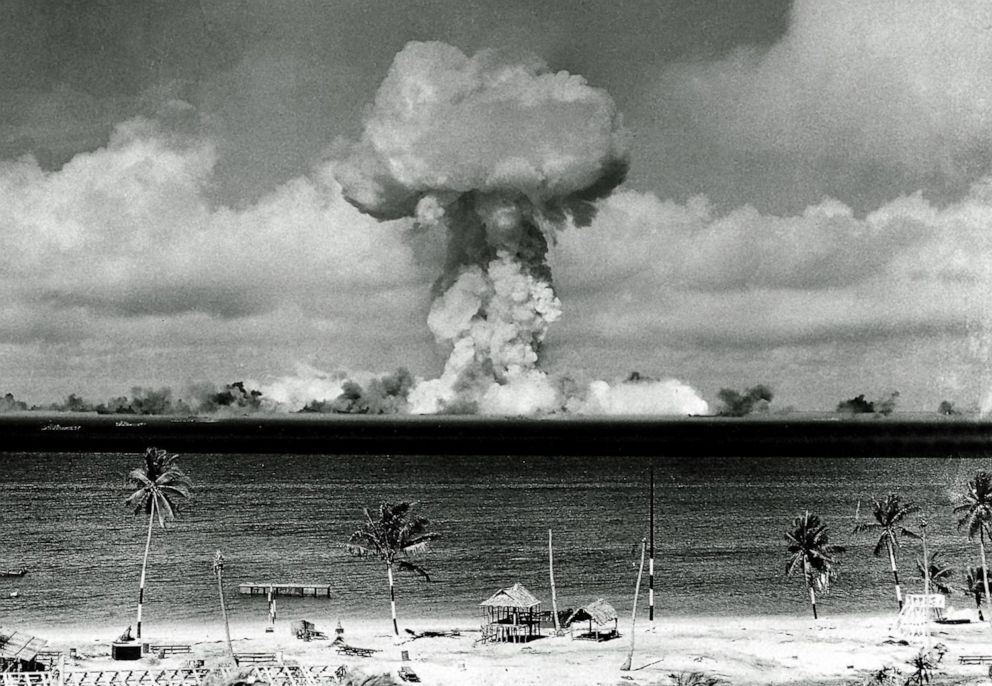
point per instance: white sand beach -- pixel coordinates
(840, 649)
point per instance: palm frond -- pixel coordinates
(410, 567)
(391, 531)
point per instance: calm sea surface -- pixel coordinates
(720, 525)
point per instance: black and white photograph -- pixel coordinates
(503, 342)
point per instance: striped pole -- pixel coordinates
(651, 558)
(392, 597)
(895, 574)
(144, 564)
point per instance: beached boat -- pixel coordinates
(13, 572)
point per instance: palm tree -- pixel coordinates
(158, 483)
(940, 573)
(392, 533)
(976, 515)
(219, 573)
(812, 554)
(976, 584)
(889, 513)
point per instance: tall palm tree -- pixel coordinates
(940, 573)
(218, 568)
(976, 584)
(976, 515)
(812, 554)
(889, 513)
(158, 483)
(390, 534)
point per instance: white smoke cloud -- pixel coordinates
(496, 152)
(650, 397)
(308, 384)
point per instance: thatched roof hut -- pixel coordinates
(514, 596)
(601, 617)
(511, 614)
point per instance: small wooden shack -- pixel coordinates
(19, 651)
(511, 614)
(602, 621)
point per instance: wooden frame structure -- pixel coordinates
(18, 651)
(511, 615)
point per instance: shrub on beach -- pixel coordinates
(695, 679)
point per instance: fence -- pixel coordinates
(273, 675)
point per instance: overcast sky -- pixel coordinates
(809, 203)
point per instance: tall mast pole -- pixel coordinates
(651, 558)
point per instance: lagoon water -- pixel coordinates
(720, 525)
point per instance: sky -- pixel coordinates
(808, 203)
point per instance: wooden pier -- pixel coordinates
(297, 590)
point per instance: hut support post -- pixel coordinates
(554, 595)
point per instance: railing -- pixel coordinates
(275, 675)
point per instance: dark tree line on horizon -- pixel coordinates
(387, 394)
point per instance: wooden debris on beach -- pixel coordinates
(243, 658)
(454, 633)
(170, 648)
(355, 651)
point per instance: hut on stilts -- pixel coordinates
(602, 621)
(511, 615)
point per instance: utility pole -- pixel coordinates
(551, 571)
(926, 586)
(651, 557)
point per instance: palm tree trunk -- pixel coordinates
(895, 573)
(223, 611)
(551, 571)
(809, 585)
(985, 566)
(144, 565)
(392, 597)
(625, 667)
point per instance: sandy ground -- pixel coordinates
(841, 649)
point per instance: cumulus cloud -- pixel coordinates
(127, 231)
(692, 277)
(902, 83)
(863, 101)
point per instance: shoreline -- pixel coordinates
(756, 649)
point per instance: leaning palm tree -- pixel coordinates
(218, 568)
(889, 513)
(390, 534)
(976, 516)
(940, 573)
(975, 584)
(811, 554)
(158, 483)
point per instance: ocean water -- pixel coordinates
(719, 541)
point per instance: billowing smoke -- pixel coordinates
(499, 154)
(638, 395)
